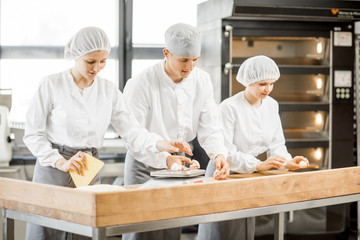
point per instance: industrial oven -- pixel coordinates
(313, 43)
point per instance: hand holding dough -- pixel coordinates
(216, 173)
(303, 164)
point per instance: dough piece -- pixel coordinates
(216, 173)
(176, 167)
(303, 164)
(195, 164)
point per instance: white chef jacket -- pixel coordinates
(175, 110)
(250, 131)
(59, 113)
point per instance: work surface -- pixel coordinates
(135, 205)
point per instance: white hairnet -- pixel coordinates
(86, 40)
(183, 40)
(256, 69)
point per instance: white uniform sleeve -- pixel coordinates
(137, 139)
(238, 161)
(209, 133)
(137, 97)
(35, 136)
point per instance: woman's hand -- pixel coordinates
(76, 163)
(173, 146)
(271, 162)
(294, 163)
(170, 160)
(222, 168)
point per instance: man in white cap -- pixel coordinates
(174, 99)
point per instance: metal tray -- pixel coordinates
(170, 173)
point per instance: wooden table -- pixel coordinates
(101, 214)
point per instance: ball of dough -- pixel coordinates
(176, 167)
(195, 164)
(302, 164)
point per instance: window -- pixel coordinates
(33, 36)
(150, 21)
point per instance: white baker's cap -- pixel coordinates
(183, 40)
(86, 40)
(256, 69)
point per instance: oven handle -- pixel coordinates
(228, 33)
(228, 69)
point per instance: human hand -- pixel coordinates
(222, 168)
(271, 162)
(76, 163)
(173, 146)
(172, 159)
(183, 147)
(295, 163)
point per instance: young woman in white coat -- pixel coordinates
(70, 113)
(251, 126)
(174, 99)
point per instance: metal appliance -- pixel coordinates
(313, 44)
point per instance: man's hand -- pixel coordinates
(173, 146)
(183, 147)
(222, 168)
(76, 163)
(170, 160)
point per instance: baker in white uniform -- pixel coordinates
(251, 126)
(174, 99)
(70, 113)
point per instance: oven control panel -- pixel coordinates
(343, 85)
(342, 93)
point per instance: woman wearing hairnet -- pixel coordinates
(70, 113)
(174, 99)
(251, 126)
